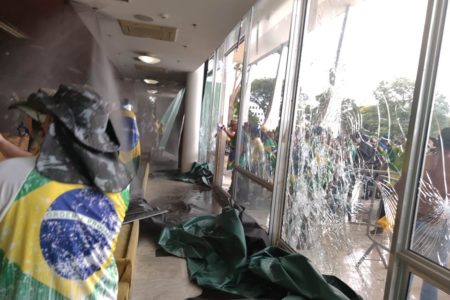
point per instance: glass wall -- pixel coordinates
(206, 113)
(261, 105)
(431, 235)
(255, 199)
(266, 69)
(230, 115)
(215, 106)
(355, 88)
(420, 289)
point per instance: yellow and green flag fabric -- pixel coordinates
(130, 148)
(57, 241)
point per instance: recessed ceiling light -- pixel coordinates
(152, 99)
(151, 81)
(163, 16)
(152, 91)
(143, 18)
(148, 59)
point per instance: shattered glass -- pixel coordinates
(431, 235)
(355, 90)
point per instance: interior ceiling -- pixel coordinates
(202, 26)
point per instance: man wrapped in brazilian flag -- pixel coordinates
(60, 213)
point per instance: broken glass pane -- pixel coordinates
(356, 82)
(431, 235)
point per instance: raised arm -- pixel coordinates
(9, 150)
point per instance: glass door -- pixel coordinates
(229, 117)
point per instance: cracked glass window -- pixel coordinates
(356, 83)
(431, 235)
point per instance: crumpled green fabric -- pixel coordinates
(199, 174)
(216, 254)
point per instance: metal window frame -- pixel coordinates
(287, 121)
(403, 261)
(265, 184)
(220, 141)
(213, 87)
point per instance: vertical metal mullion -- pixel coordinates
(398, 275)
(287, 119)
(241, 111)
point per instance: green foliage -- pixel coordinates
(350, 116)
(253, 119)
(440, 118)
(390, 117)
(261, 93)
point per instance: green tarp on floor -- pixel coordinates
(199, 174)
(216, 254)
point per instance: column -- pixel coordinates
(192, 114)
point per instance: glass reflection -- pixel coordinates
(431, 237)
(352, 112)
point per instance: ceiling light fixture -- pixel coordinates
(150, 81)
(152, 99)
(152, 91)
(143, 18)
(148, 59)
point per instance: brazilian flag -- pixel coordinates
(130, 148)
(57, 242)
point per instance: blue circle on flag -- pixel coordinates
(77, 231)
(131, 134)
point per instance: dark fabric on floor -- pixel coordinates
(199, 174)
(216, 252)
(256, 238)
